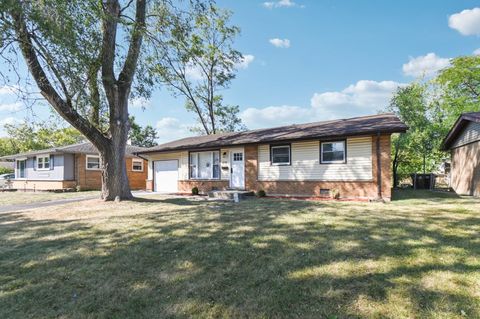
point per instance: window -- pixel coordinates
(21, 167)
(237, 157)
(280, 155)
(333, 152)
(137, 165)
(43, 162)
(205, 165)
(93, 162)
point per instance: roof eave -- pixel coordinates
(186, 148)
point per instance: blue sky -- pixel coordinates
(319, 60)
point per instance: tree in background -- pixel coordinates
(430, 109)
(142, 136)
(460, 87)
(25, 137)
(195, 59)
(414, 151)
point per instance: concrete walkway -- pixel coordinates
(22, 207)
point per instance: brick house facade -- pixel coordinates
(363, 169)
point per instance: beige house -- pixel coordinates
(349, 155)
(463, 142)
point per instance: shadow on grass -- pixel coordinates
(256, 259)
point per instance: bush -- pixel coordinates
(261, 193)
(195, 191)
(4, 170)
(335, 193)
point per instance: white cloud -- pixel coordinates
(466, 22)
(245, 62)
(280, 43)
(8, 89)
(10, 107)
(476, 52)
(281, 4)
(170, 129)
(139, 102)
(362, 98)
(274, 116)
(425, 65)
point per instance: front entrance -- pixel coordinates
(166, 176)
(237, 169)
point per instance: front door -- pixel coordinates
(237, 169)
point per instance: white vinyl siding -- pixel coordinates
(471, 133)
(305, 163)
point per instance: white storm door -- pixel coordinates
(166, 176)
(237, 168)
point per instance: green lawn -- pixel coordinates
(266, 258)
(19, 197)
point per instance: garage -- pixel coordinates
(166, 176)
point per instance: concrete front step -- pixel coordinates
(230, 194)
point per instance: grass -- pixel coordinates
(19, 197)
(416, 257)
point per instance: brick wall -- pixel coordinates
(203, 186)
(347, 189)
(92, 179)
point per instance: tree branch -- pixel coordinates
(126, 75)
(43, 83)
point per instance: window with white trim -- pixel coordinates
(332, 152)
(43, 162)
(93, 162)
(137, 165)
(205, 165)
(280, 154)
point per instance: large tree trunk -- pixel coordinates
(114, 174)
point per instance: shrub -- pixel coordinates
(5, 170)
(195, 191)
(261, 193)
(335, 193)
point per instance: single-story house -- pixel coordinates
(349, 155)
(71, 166)
(463, 142)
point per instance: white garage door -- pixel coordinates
(166, 176)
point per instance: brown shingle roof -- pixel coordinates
(383, 123)
(83, 148)
(457, 128)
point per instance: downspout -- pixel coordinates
(379, 169)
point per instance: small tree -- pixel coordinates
(195, 59)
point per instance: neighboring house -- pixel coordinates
(350, 155)
(463, 142)
(71, 166)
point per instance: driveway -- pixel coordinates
(55, 202)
